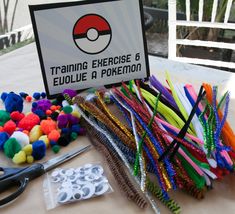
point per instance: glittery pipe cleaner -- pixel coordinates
(148, 196)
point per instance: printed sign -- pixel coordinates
(91, 43)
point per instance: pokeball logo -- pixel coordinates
(92, 34)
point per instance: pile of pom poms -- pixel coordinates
(25, 137)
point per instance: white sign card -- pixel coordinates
(90, 43)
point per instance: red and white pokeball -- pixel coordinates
(92, 34)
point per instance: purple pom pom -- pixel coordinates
(62, 121)
(70, 92)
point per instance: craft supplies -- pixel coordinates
(24, 137)
(63, 186)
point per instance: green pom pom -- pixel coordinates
(67, 109)
(56, 148)
(11, 147)
(74, 136)
(4, 117)
(54, 102)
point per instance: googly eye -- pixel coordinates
(101, 179)
(66, 184)
(81, 181)
(77, 195)
(64, 196)
(101, 188)
(69, 172)
(76, 187)
(88, 190)
(97, 170)
(91, 177)
(55, 179)
(73, 178)
(55, 173)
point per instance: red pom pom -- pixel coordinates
(53, 108)
(54, 135)
(29, 99)
(17, 116)
(29, 121)
(9, 127)
(47, 126)
(1, 129)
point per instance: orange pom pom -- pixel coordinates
(58, 107)
(1, 129)
(48, 112)
(29, 99)
(47, 126)
(54, 135)
(26, 132)
(53, 108)
(9, 127)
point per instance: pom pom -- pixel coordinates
(47, 126)
(67, 109)
(13, 102)
(36, 95)
(4, 117)
(22, 138)
(19, 158)
(76, 114)
(59, 99)
(48, 112)
(1, 129)
(76, 128)
(39, 150)
(43, 105)
(62, 121)
(3, 138)
(74, 136)
(26, 132)
(40, 113)
(4, 96)
(65, 103)
(54, 115)
(17, 116)
(52, 143)
(28, 149)
(35, 133)
(73, 120)
(34, 105)
(54, 135)
(28, 99)
(45, 139)
(56, 148)
(70, 92)
(65, 130)
(43, 95)
(9, 127)
(23, 95)
(53, 108)
(29, 121)
(64, 140)
(11, 147)
(30, 159)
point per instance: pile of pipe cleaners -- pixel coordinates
(177, 135)
(25, 137)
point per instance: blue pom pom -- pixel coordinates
(39, 112)
(43, 95)
(76, 128)
(53, 143)
(23, 95)
(4, 96)
(39, 150)
(34, 105)
(13, 102)
(3, 138)
(36, 95)
(65, 130)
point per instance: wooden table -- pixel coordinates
(20, 71)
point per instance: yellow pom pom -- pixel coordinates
(30, 159)
(45, 139)
(28, 149)
(76, 114)
(19, 157)
(35, 133)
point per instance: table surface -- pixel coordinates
(20, 71)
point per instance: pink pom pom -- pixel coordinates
(29, 121)
(47, 126)
(9, 127)
(54, 135)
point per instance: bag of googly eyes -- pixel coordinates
(63, 186)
